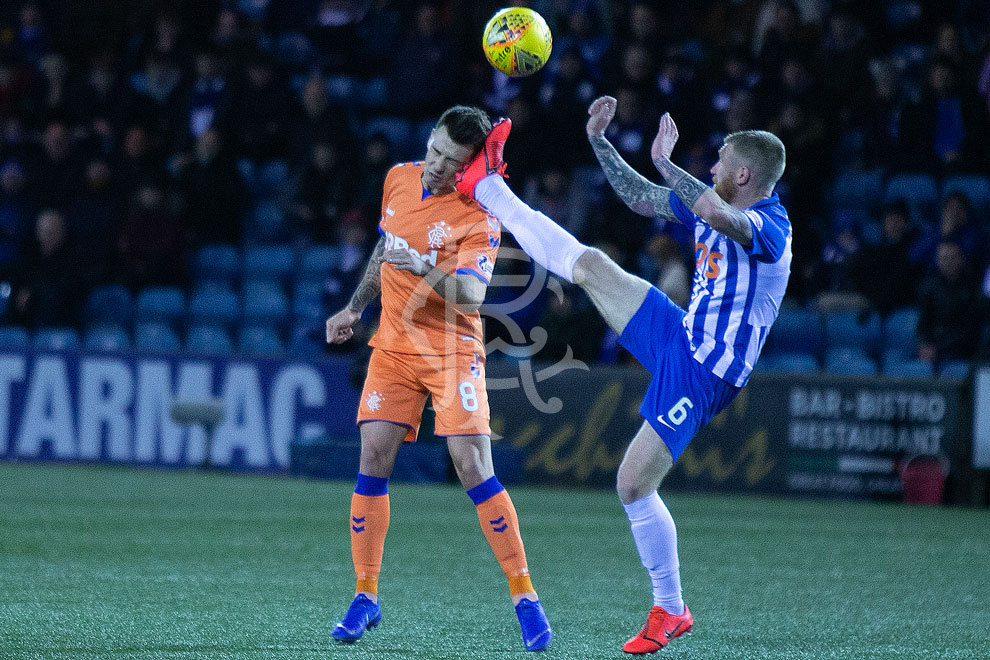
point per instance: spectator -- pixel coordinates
(260, 114)
(15, 214)
(326, 191)
(48, 285)
(54, 169)
(205, 94)
(423, 71)
(884, 273)
(93, 220)
(152, 247)
(136, 164)
(955, 225)
(212, 191)
(949, 324)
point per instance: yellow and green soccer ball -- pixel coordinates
(517, 41)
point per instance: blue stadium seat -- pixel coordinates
(858, 190)
(266, 223)
(902, 14)
(343, 88)
(900, 330)
(273, 262)
(845, 329)
(55, 339)
(155, 337)
(917, 190)
(109, 304)
(307, 300)
(253, 9)
(218, 261)
(793, 363)
(106, 337)
(264, 302)
(954, 369)
(209, 340)
(272, 179)
(161, 303)
(373, 93)
(796, 331)
(319, 261)
(14, 336)
(294, 49)
(260, 341)
(214, 305)
(849, 361)
(908, 369)
(307, 341)
(974, 186)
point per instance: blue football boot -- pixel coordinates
(363, 614)
(536, 631)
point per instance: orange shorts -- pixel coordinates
(398, 384)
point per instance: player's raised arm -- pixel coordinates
(639, 194)
(466, 292)
(702, 200)
(339, 326)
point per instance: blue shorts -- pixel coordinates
(683, 395)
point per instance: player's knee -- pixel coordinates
(376, 458)
(630, 486)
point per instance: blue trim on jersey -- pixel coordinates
(371, 486)
(485, 491)
(426, 193)
(471, 271)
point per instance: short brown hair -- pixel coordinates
(466, 125)
(763, 153)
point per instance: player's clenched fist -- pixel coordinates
(601, 112)
(339, 325)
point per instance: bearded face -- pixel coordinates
(723, 174)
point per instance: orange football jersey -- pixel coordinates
(450, 232)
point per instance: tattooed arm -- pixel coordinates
(702, 200)
(642, 196)
(639, 194)
(339, 325)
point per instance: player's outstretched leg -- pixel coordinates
(660, 628)
(363, 614)
(488, 161)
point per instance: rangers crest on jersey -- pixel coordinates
(374, 401)
(437, 233)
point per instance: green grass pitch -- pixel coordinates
(119, 563)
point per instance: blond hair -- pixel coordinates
(763, 153)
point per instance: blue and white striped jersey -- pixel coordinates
(737, 292)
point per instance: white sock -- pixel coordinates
(541, 238)
(656, 539)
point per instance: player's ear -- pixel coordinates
(743, 176)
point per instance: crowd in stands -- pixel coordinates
(138, 139)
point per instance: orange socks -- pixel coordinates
(369, 523)
(501, 528)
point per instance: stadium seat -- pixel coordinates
(109, 304)
(209, 340)
(219, 262)
(796, 331)
(271, 181)
(294, 49)
(917, 190)
(106, 337)
(155, 337)
(55, 339)
(900, 330)
(214, 305)
(858, 190)
(266, 223)
(954, 369)
(260, 341)
(847, 329)
(373, 93)
(975, 187)
(849, 361)
(253, 9)
(264, 302)
(319, 261)
(908, 369)
(902, 14)
(161, 303)
(792, 363)
(275, 262)
(307, 341)
(14, 336)
(342, 88)
(307, 300)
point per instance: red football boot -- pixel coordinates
(488, 161)
(660, 628)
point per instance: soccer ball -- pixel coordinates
(517, 41)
